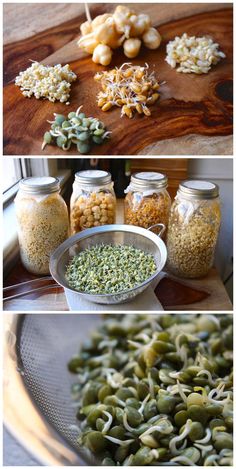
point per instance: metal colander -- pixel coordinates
(44, 344)
(128, 235)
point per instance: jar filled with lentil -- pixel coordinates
(147, 201)
(193, 230)
(43, 222)
(93, 201)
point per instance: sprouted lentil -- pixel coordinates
(157, 390)
(193, 54)
(43, 81)
(129, 87)
(107, 269)
(76, 128)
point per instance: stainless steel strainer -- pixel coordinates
(38, 408)
(141, 238)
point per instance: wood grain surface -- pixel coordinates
(189, 105)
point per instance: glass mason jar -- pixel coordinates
(147, 201)
(43, 222)
(193, 228)
(93, 201)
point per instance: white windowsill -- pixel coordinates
(10, 239)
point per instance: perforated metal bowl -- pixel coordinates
(38, 408)
(109, 234)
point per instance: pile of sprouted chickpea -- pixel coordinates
(122, 28)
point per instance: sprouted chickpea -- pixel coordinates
(123, 27)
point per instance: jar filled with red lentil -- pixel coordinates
(93, 201)
(147, 201)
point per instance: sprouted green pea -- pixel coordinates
(132, 415)
(75, 128)
(105, 269)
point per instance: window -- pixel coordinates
(12, 171)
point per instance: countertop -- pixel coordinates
(204, 294)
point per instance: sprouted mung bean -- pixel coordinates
(193, 54)
(157, 390)
(129, 87)
(42, 81)
(107, 269)
(75, 128)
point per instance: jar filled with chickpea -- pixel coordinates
(147, 201)
(193, 229)
(93, 201)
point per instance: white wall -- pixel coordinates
(220, 171)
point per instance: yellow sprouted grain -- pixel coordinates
(130, 87)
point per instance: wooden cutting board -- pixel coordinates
(189, 104)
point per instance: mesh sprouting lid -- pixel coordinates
(40, 185)
(199, 189)
(151, 179)
(93, 176)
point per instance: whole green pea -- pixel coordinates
(197, 413)
(59, 118)
(61, 140)
(71, 115)
(166, 404)
(100, 424)
(95, 414)
(117, 431)
(132, 402)
(180, 418)
(121, 453)
(83, 136)
(142, 390)
(133, 416)
(98, 132)
(124, 393)
(196, 432)
(104, 391)
(143, 457)
(95, 441)
(161, 346)
(97, 140)
(65, 124)
(47, 137)
(214, 410)
(150, 409)
(119, 415)
(83, 148)
(223, 441)
(216, 423)
(75, 363)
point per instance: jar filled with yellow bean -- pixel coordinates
(43, 222)
(193, 229)
(147, 201)
(93, 201)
